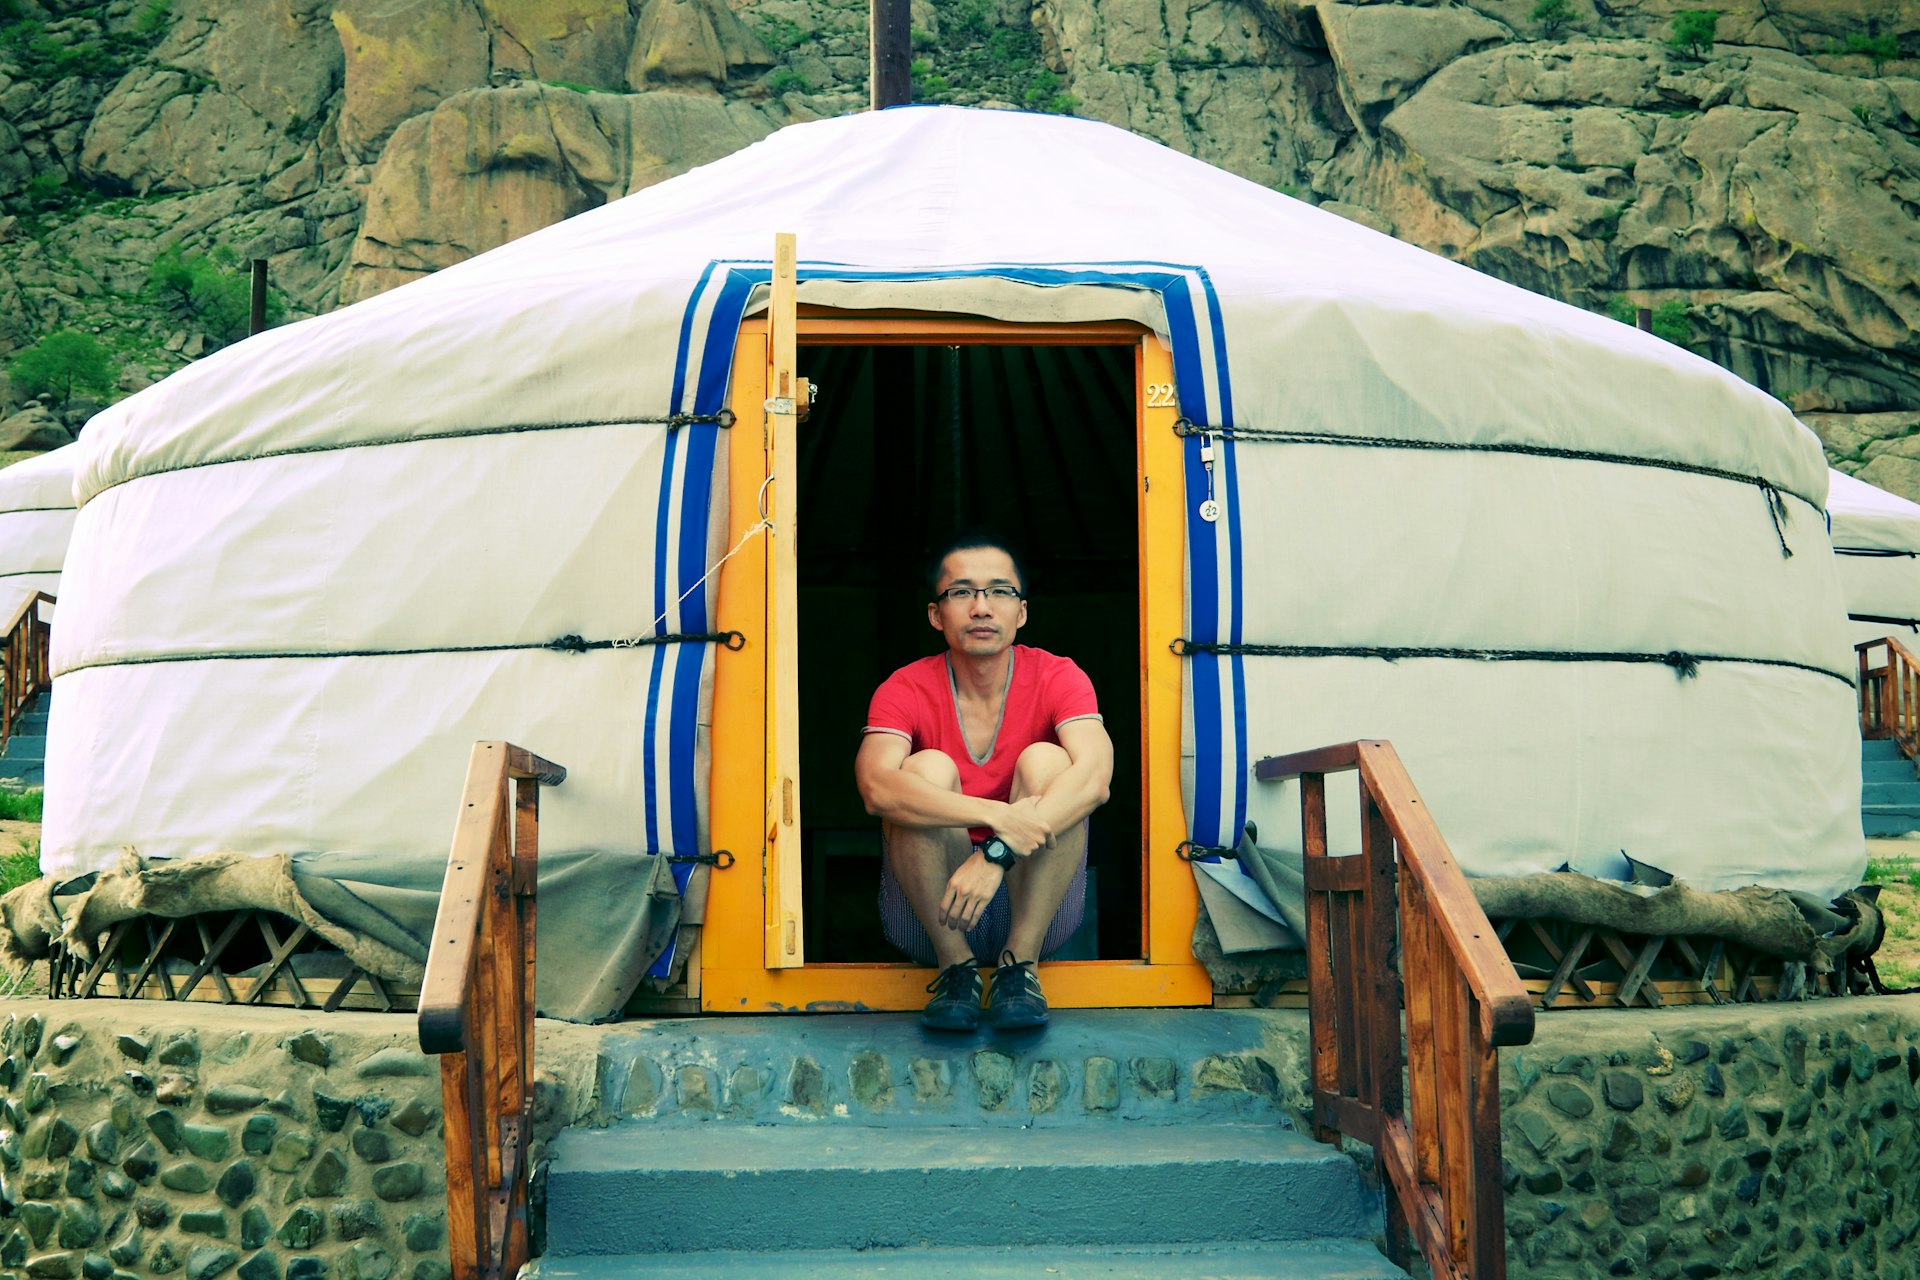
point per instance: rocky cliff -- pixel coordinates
(1761, 189)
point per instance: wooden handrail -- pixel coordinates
(23, 668)
(1437, 1135)
(476, 1007)
(1889, 694)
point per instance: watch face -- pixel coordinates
(997, 852)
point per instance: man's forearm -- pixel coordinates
(1073, 795)
(908, 801)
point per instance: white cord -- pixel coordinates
(764, 525)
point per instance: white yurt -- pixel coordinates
(1578, 576)
(36, 520)
(1876, 545)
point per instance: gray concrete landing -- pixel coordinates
(644, 1189)
(1333, 1260)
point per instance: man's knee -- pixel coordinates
(1038, 766)
(935, 767)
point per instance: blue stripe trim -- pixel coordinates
(686, 336)
(1220, 790)
(1236, 613)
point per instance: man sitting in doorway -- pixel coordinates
(983, 763)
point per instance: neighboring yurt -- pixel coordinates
(1578, 576)
(36, 520)
(1876, 545)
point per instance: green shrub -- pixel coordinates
(214, 293)
(48, 190)
(784, 80)
(1552, 15)
(981, 60)
(781, 34)
(1863, 114)
(1671, 320)
(1693, 31)
(1879, 49)
(62, 363)
(153, 17)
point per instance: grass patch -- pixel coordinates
(21, 806)
(1903, 869)
(1898, 959)
(22, 866)
(571, 86)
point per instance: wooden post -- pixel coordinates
(784, 947)
(257, 314)
(890, 41)
(1643, 319)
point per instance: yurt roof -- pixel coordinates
(43, 483)
(36, 522)
(1866, 517)
(880, 202)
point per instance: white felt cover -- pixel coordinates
(251, 506)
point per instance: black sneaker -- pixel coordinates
(1016, 1000)
(956, 999)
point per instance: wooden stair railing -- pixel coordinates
(476, 1007)
(24, 674)
(1461, 996)
(1890, 694)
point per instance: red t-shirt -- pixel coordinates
(919, 703)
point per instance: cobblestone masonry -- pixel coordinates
(1778, 1140)
(1695, 1142)
(153, 1140)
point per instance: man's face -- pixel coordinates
(979, 625)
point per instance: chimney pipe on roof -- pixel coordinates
(257, 310)
(890, 39)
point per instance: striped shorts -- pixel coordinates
(989, 934)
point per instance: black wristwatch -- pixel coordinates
(996, 851)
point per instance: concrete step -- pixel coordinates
(646, 1188)
(1887, 771)
(1896, 793)
(1318, 1260)
(1089, 1066)
(1879, 749)
(29, 773)
(34, 723)
(1889, 820)
(25, 746)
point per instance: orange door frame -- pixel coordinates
(732, 974)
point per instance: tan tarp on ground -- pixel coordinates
(377, 911)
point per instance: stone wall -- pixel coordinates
(209, 1141)
(150, 1140)
(1775, 1139)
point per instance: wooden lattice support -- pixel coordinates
(143, 956)
(1657, 970)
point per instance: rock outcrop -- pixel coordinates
(1765, 193)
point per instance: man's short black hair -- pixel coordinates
(975, 539)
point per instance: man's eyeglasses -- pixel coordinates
(963, 595)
